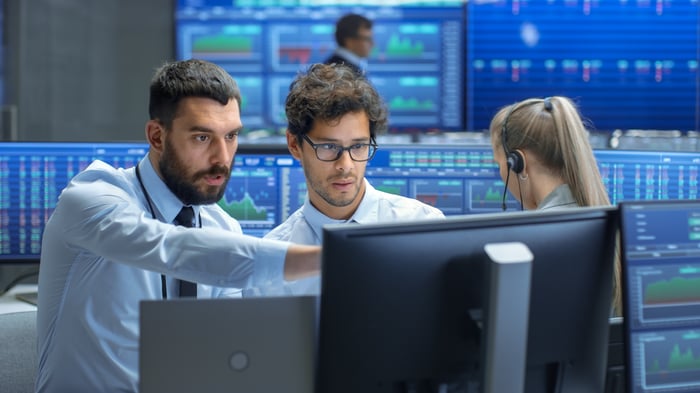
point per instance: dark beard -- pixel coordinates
(172, 168)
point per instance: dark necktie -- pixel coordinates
(186, 219)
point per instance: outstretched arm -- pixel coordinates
(302, 261)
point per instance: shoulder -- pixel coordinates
(338, 59)
(286, 230)
(334, 59)
(101, 179)
(100, 192)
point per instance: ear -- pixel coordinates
(293, 145)
(155, 135)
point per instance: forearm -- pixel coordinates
(302, 261)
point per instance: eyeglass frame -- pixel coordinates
(342, 149)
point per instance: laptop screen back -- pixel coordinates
(227, 345)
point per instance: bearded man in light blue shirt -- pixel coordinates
(112, 242)
(333, 121)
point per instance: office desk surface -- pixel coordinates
(9, 303)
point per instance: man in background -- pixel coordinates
(333, 121)
(353, 34)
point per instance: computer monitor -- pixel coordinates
(32, 175)
(612, 67)
(2, 55)
(649, 175)
(267, 183)
(416, 64)
(661, 277)
(457, 179)
(266, 186)
(400, 301)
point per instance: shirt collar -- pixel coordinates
(366, 212)
(166, 204)
(559, 197)
(351, 57)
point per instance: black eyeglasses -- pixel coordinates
(331, 152)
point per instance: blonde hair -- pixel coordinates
(553, 130)
(558, 137)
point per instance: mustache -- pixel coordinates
(213, 171)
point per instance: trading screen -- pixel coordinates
(661, 265)
(416, 65)
(267, 184)
(628, 64)
(2, 53)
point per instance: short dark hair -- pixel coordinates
(327, 92)
(348, 26)
(188, 78)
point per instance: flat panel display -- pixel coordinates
(2, 52)
(33, 174)
(628, 64)
(661, 271)
(267, 184)
(416, 64)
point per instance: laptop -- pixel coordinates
(661, 292)
(248, 345)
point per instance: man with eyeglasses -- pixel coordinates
(353, 34)
(333, 121)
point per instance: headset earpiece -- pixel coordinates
(515, 162)
(514, 159)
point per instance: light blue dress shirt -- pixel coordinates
(350, 57)
(102, 253)
(305, 226)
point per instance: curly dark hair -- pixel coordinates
(188, 78)
(327, 92)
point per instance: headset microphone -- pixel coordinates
(505, 190)
(514, 160)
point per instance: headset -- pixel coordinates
(514, 159)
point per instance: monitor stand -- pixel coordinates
(507, 316)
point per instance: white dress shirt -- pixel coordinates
(102, 253)
(305, 226)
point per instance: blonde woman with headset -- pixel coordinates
(544, 157)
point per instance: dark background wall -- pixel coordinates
(78, 70)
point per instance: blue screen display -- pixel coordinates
(451, 65)
(2, 53)
(661, 272)
(628, 64)
(267, 184)
(416, 64)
